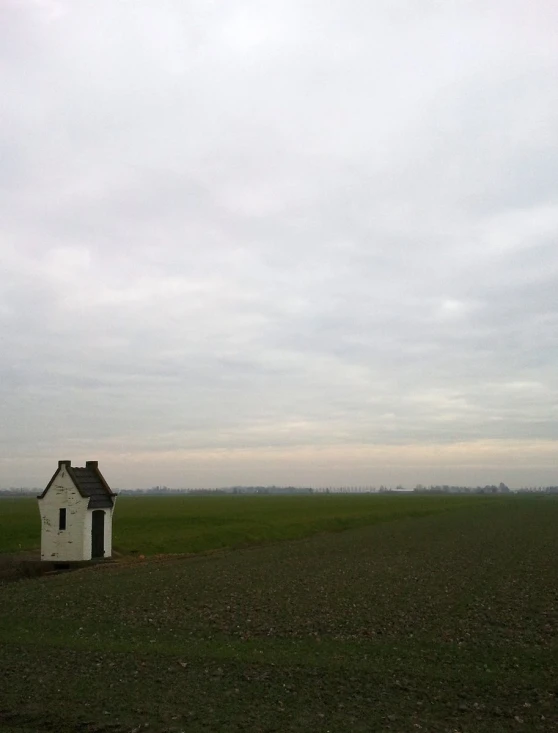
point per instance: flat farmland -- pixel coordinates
(444, 621)
(149, 525)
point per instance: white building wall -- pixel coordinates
(65, 545)
(87, 535)
(108, 532)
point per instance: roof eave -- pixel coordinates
(72, 475)
(100, 476)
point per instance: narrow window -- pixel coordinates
(62, 519)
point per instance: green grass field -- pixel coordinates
(428, 617)
(184, 524)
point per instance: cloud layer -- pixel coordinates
(280, 242)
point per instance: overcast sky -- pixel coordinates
(279, 241)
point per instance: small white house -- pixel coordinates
(76, 514)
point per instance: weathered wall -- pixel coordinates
(87, 535)
(66, 545)
(108, 532)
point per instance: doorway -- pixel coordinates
(98, 534)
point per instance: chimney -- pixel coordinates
(66, 464)
(92, 464)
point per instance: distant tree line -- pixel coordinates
(294, 490)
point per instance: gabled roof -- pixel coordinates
(90, 483)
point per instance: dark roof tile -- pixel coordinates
(89, 482)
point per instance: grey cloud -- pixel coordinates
(276, 226)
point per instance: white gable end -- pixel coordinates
(63, 545)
